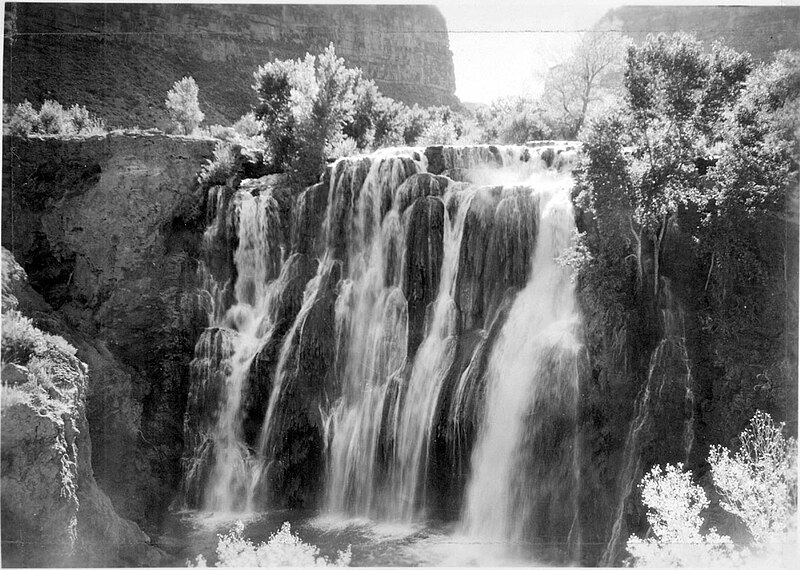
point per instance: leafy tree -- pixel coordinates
(183, 106)
(746, 232)
(590, 75)
(304, 106)
(665, 124)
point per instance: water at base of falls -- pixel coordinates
(433, 357)
(188, 534)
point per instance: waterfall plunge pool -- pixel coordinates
(187, 534)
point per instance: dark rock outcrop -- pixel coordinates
(121, 59)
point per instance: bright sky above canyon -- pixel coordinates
(505, 47)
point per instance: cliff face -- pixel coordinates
(107, 230)
(758, 30)
(120, 60)
(53, 512)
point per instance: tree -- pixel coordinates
(183, 106)
(587, 77)
(674, 97)
(304, 106)
(744, 242)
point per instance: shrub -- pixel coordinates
(282, 549)
(183, 106)
(21, 340)
(225, 164)
(247, 126)
(343, 146)
(674, 505)
(757, 483)
(83, 122)
(438, 131)
(54, 120)
(24, 120)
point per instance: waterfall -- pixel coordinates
(225, 466)
(372, 319)
(524, 481)
(432, 362)
(433, 348)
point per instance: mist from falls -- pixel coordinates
(416, 340)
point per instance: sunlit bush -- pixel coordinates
(758, 482)
(20, 340)
(674, 505)
(225, 164)
(53, 119)
(282, 549)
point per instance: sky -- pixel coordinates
(505, 47)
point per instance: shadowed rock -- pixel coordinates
(425, 227)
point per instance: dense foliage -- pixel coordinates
(688, 190)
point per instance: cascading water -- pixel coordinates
(524, 482)
(434, 357)
(372, 319)
(439, 317)
(225, 467)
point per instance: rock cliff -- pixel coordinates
(758, 30)
(53, 512)
(120, 60)
(107, 230)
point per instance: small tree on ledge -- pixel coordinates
(183, 106)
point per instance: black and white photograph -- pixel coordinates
(394, 284)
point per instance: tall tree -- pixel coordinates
(675, 95)
(587, 77)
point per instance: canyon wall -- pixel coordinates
(121, 59)
(758, 30)
(107, 229)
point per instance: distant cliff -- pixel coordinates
(759, 30)
(121, 59)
